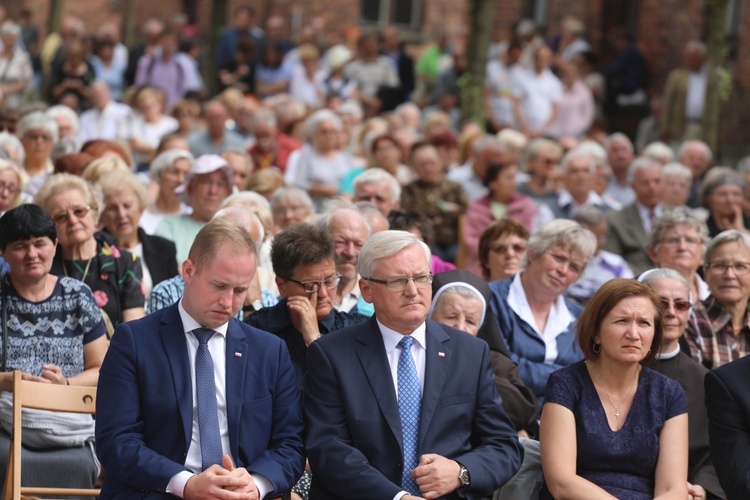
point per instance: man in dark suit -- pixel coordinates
(192, 402)
(401, 407)
(728, 404)
(630, 228)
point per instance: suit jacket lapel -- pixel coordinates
(439, 357)
(175, 345)
(235, 382)
(371, 353)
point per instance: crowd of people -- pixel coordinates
(272, 285)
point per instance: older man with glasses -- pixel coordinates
(303, 259)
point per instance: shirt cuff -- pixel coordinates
(177, 484)
(400, 494)
(264, 485)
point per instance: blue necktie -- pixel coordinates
(409, 407)
(205, 388)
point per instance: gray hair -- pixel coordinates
(37, 120)
(698, 45)
(561, 233)
(744, 165)
(676, 169)
(618, 137)
(535, 148)
(509, 138)
(678, 216)
(695, 143)
(577, 153)
(10, 28)
(641, 163)
(386, 244)
(371, 212)
(322, 115)
(66, 145)
(726, 237)
(351, 108)
(9, 140)
(658, 151)
(484, 143)
(292, 192)
(593, 149)
(589, 216)
(264, 117)
(717, 177)
(375, 175)
(245, 218)
(59, 110)
(167, 159)
(324, 221)
(652, 275)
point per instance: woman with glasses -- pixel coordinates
(721, 332)
(114, 275)
(11, 184)
(722, 193)
(537, 322)
(678, 241)
(673, 290)
(502, 247)
(541, 162)
(38, 134)
(303, 259)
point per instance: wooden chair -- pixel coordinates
(26, 394)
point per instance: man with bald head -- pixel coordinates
(216, 138)
(349, 231)
(378, 187)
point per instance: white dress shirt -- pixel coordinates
(391, 339)
(645, 214)
(695, 100)
(217, 347)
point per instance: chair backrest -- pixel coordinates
(41, 396)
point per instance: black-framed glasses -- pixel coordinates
(679, 305)
(739, 268)
(400, 283)
(79, 212)
(312, 286)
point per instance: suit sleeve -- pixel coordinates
(336, 463)
(496, 453)
(614, 242)
(729, 437)
(120, 444)
(283, 461)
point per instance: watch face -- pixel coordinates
(464, 476)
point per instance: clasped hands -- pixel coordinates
(436, 476)
(222, 482)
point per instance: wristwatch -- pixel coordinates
(463, 476)
(254, 307)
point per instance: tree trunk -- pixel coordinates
(481, 14)
(131, 14)
(55, 16)
(218, 20)
(719, 79)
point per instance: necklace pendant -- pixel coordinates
(617, 413)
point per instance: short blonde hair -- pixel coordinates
(61, 183)
(20, 179)
(119, 181)
(103, 166)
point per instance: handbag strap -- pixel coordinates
(5, 323)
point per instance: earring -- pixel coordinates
(597, 348)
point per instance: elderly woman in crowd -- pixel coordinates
(11, 186)
(290, 205)
(319, 166)
(12, 147)
(673, 290)
(459, 299)
(502, 201)
(722, 193)
(676, 180)
(38, 134)
(168, 170)
(721, 332)
(69, 352)
(538, 323)
(16, 72)
(678, 241)
(124, 202)
(541, 164)
(113, 275)
(502, 247)
(385, 153)
(610, 427)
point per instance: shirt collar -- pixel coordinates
(391, 338)
(559, 317)
(189, 324)
(593, 199)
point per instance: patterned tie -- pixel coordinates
(205, 388)
(409, 406)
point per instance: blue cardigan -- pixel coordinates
(526, 346)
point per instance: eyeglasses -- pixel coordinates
(679, 305)
(8, 128)
(517, 248)
(8, 188)
(64, 217)
(312, 286)
(32, 136)
(739, 268)
(674, 241)
(399, 284)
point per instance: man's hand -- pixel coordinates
(436, 476)
(696, 492)
(411, 497)
(222, 483)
